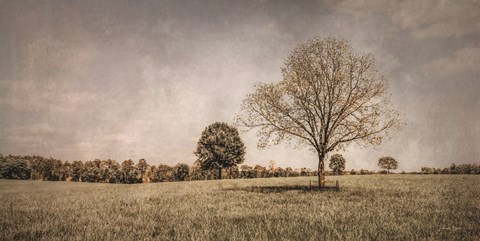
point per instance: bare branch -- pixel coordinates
(329, 97)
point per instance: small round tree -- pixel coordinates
(220, 147)
(387, 163)
(337, 164)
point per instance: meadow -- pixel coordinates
(370, 207)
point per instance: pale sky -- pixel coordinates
(141, 79)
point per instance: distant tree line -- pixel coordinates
(110, 171)
(453, 169)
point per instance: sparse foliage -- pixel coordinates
(329, 97)
(220, 146)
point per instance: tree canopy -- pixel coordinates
(387, 163)
(181, 171)
(337, 164)
(329, 97)
(220, 146)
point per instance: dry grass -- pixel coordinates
(379, 207)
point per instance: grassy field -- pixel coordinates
(377, 207)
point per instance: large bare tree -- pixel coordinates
(329, 97)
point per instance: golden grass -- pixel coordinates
(377, 207)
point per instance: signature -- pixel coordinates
(451, 228)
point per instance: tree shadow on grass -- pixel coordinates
(280, 189)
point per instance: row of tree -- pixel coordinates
(110, 171)
(453, 169)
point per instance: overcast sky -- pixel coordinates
(142, 79)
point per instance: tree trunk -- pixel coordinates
(219, 173)
(321, 170)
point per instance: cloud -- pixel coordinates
(48, 97)
(422, 19)
(465, 61)
(33, 130)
